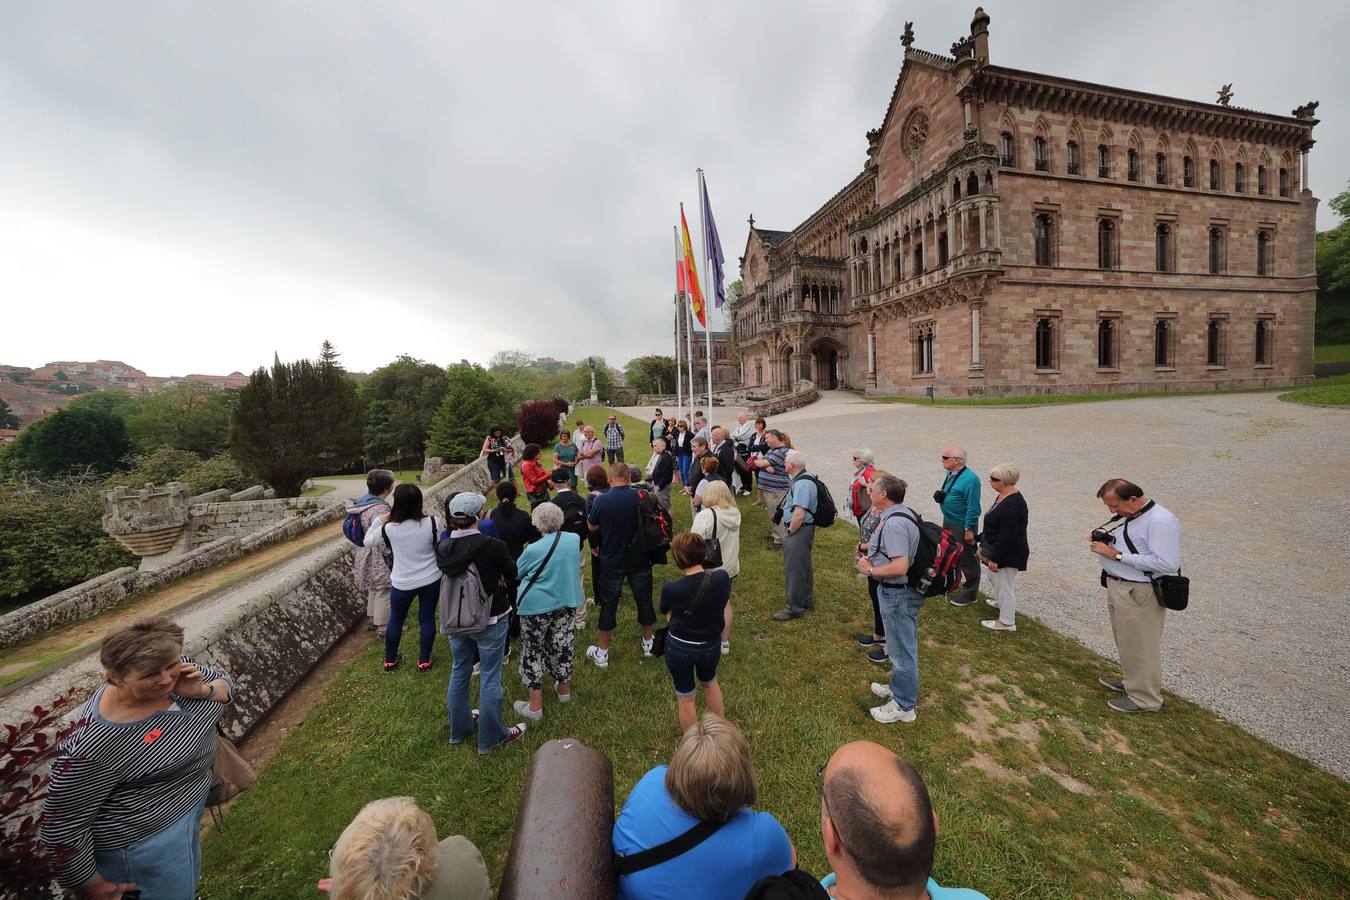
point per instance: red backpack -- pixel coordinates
(936, 566)
(861, 502)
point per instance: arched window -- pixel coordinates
(1042, 161)
(1132, 164)
(1162, 349)
(1106, 240)
(1263, 341)
(956, 188)
(1106, 344)
(1006, 152)
(1262, 185)
(1103, 161)
(1214, 174)
(1045, 233)
(1263, 253)
(972, 184)
(942, 249)
(1284, 182)
(1187, 171)
(899, 266)
(1045, 343)
(918, 259)
(988, 181)
(1160, 168)
(1214, 342)
(1239, 178)
(923, 349)
(1071, 155)
(1216, 250)
(1163, 248)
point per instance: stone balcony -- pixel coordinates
(974, 261)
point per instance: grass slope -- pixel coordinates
(1332, 353)
(1040, 790)
(1333, 390)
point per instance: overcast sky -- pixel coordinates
(191, 186)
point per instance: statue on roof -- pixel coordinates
(1226, 94)
(907, 38)
(1307, 110)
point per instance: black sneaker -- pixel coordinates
(879, 656)
(866, 640)
(961, 601)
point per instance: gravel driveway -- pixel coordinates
(1259, 487)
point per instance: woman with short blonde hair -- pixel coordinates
(390, 852)
(710, 780)
(1003, 545)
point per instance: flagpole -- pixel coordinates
(707, 285)
(679, 262)
(689, 348)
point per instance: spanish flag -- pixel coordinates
(695, 292)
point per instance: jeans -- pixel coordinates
(165, 866)
(611, 587)
(496, 467)
(878, 626)
(486, 648)
(900, 612)
(428, 595)
(683, 462)
(685, 660)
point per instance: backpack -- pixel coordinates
(463, 603)
(858, 489)
(936, 566)
(353, 529)
(824, 514)
(655, 529)
(574, 513)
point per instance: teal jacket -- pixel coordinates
(963, 499)
(558, 585)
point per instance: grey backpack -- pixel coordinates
(463, 604)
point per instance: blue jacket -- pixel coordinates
(963, 499)
(559, 585)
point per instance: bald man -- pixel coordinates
(959, 499)
(879, 828)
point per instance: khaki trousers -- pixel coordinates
(1137, 624)
(377, 606)
(771, 501)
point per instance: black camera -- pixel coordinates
(939, 496)
(1102, 537)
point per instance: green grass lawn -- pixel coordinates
(1332, 353)
(1333, 390)
(1040, 790)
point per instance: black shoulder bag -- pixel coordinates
(660, 634)
(557, 536)
(712, 557)
(1172, 591)
(654, 856)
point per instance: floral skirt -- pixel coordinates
(546, 647)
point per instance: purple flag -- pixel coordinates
(714, 246)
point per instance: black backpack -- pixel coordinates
(936, 566)
(654, 529)
(574, 512)
(825, 512)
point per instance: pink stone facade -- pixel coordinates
(1014, 233)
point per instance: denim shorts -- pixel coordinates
(686, 661)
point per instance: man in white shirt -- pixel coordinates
(1148, 546)
(740, 437)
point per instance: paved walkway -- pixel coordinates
(1259, 486)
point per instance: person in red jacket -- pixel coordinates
(863, 470)
(536, 477)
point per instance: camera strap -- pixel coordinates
(1125, 531)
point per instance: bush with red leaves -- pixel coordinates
(538, 422)
(27, 866)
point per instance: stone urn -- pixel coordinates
(151, 521)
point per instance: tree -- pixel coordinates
(1333, 277)
(514, 372)
(400, 400)
(189, 416)
(294, 422)
(69, 439)
(7, 417)
(472, 405)
(581, 379)
(329, 355)
(117, 402)
(651, 374)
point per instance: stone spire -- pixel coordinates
(979, 30)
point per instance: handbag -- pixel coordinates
(712, 558)
(1171, 591)
(231, 775)
(660, 634)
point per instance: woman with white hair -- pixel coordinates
(547, 598)
(390, 852)
(1003, 546)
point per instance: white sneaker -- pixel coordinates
(522, 708)
(726, 647)
(891, 713)
(598, 656)
(993, 603)
(881, 690)
(647, 644)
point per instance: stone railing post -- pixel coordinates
(150, 522)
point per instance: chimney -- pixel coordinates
(979, 30)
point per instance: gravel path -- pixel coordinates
(1259, 487)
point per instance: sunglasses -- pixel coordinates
(945, 458)
(995, 480)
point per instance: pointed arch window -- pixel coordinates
(1215, 175)
(1262, 182)
(1239, 178)
(1006, 149)
(972, 184)
(942, 249)
(1160, 168)
(1132, 164)
(923, 349)
(1107, 256)
(1103, 161)
(1106, 343)
(1163, 247)
(1187, 171)
(1042, 160)
(956, 188)
(1284, 182)
(1045, 239)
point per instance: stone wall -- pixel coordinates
(213, 521)
(471, 477)
(804, 393)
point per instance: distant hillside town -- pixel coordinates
(34, 393)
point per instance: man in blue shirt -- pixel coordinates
(960, 502)
(879, 827)
(799, 509)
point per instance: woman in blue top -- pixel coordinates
(548, 595)
(710, 783)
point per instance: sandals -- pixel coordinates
(391, 666)
(424, 666)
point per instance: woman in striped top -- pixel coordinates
(128, 788)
